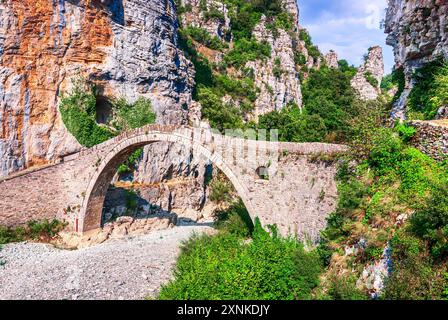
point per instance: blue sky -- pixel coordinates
(349, 27)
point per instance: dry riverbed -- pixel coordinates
(127, 268)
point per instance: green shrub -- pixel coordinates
(347, 69)
(135, 115)
(44, 230)
(277, 70)
(221, 190)
(293, 125)
(299, 58)
(386, 151)
(214, 14)
(313, 50)
(413, 274)
(246, 50)
(399, 79)
(221, 116)
(344, 288)
(363, 129)
(204, 74)
(405, 131)
(78, 112)
(131, 163)
(440, 97)
(235, 220)
(245, 15)
(328, 94)
(243, 89)
(371, 79)
(131, 198)
(387, 83)
(430, 91)
(225, 267)
(203, 37)
(431, 222)
(284, 21)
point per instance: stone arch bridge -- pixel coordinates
(296, 191)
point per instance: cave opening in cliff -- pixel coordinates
(104, 110)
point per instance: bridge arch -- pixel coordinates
(92, 206)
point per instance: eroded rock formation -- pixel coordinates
(418, 32)
(331, 59)
(278, 87)
(367, 80)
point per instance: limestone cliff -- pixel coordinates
(276, 79)
(277, 89)
(418, 32)
(331, 59)
(128, 48)
(367, 80)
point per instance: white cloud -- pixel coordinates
(349, 27)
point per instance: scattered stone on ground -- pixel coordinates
(132, 267)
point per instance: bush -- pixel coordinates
(328, 94)
(405, 131)
(246, 50)
(131, 163)
(135, 115)
(235, 220)
(293, 125)
(347, 69)
(430, 91)
(386, 151)
(277, 70)
(365, 127)
(44, 230)
(78, 112)
(204, 74)
(203, 37)
(399, 79)
(413, 276)
(247, 14)
(221, 190)
(371, 79)
(313, 50)
(220, 115)
(344, 288)
(225, 267)
(431, 222)
(243, 89)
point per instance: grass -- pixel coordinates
(42, 231)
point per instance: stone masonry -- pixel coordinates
(432, 138)
(297, 193)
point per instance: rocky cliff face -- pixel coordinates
(331, 59)
(277, 89)
(196, 16)
(277, 79)
(127, 48)
(367, 80)
(418, 32)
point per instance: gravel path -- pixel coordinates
(129, 268)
